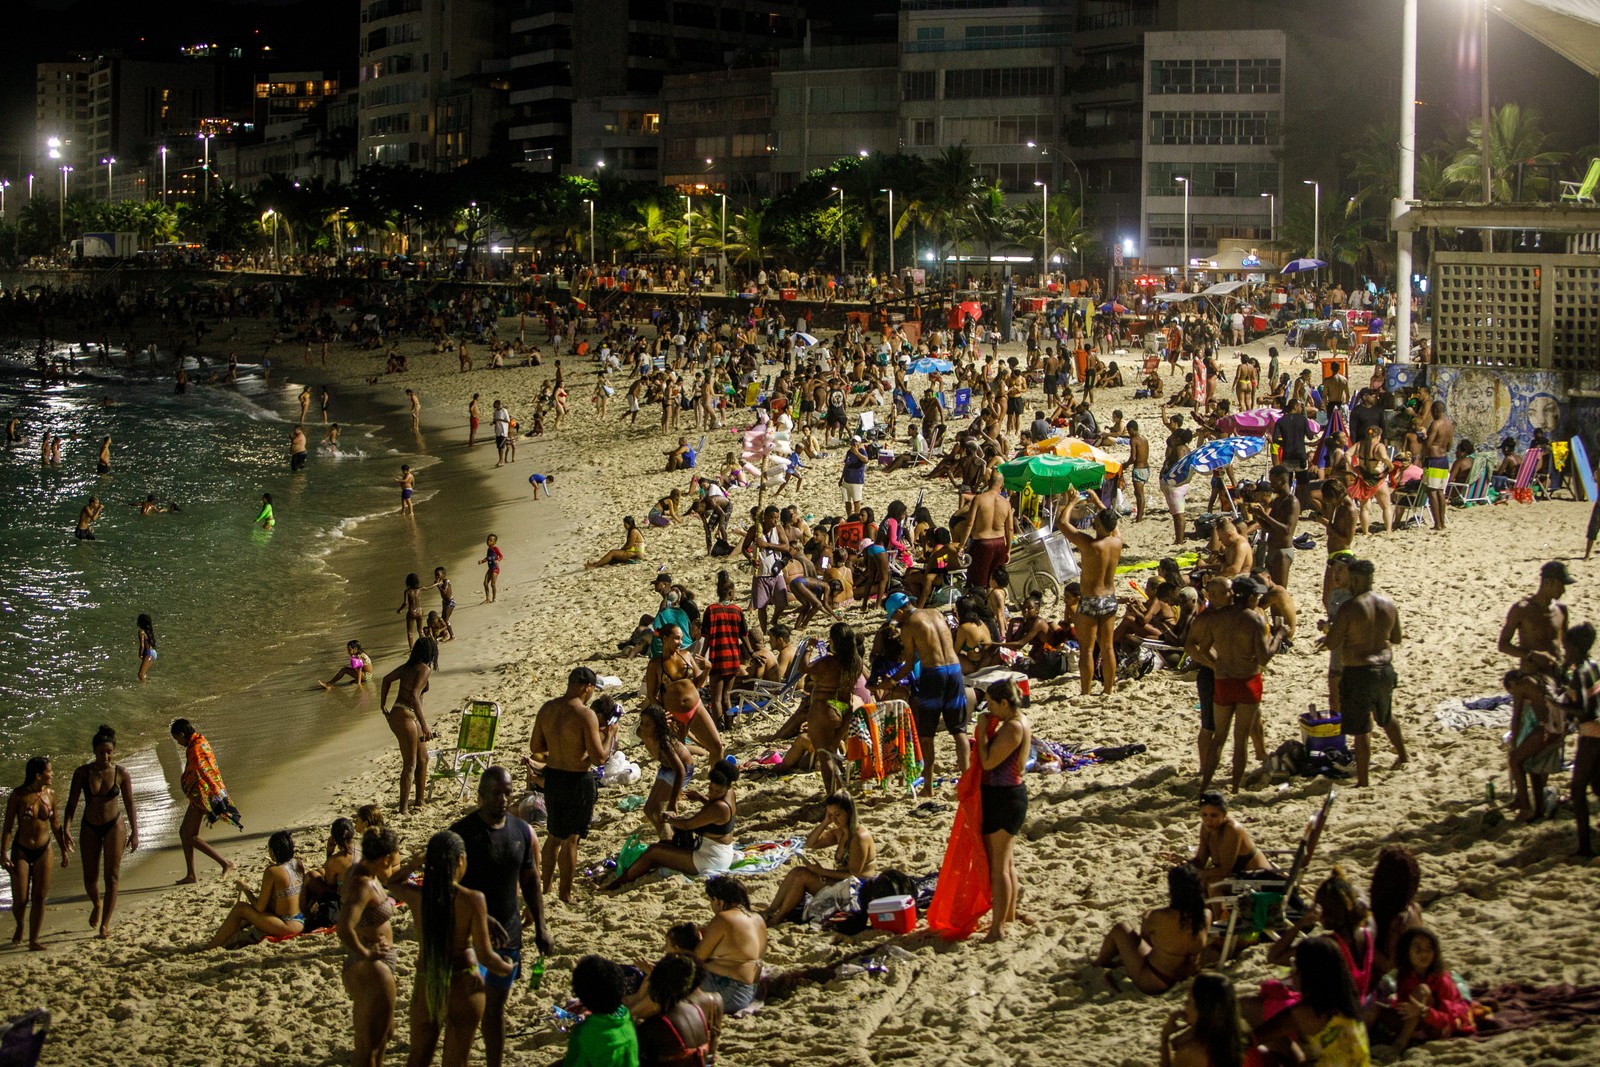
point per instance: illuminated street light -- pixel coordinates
(109, 162)
(840, 191)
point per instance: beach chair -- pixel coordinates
(1522, 488)
(909, 402)
(1475, 490)
(1262, 899)
(963, 406)
(1582, 192)
(475, 741)
(22, 1038)
(867, 427)
(756, 696)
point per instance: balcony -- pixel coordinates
(1117, 19)
(1082, 135)
(1090, 79)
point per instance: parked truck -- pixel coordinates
(106, 246)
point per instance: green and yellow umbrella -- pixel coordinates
(1050, 475)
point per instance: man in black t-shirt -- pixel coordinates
(502, 857)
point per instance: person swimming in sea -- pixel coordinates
(147, 645)
(103, 463)
(265, 516)
(91, 511)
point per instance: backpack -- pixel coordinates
(1052, 664)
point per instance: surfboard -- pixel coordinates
(1580, 462)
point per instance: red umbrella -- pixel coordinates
(970, 307)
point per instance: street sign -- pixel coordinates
(1116, 255)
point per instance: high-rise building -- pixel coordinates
(716, 131)
(289, 96)
(62, 113)
(831, 102)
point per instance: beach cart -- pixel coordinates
(1042, 562)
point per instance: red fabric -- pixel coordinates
(725, 631)
(1237, 690)
(1449, 1016)
(963, 895)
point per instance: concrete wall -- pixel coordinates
(1488, 404)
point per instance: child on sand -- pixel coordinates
(411, 604)
(447, 596)
(491, 556)
(359, 667)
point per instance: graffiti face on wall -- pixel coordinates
(1480, 404)
(1544, 413)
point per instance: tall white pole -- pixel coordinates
(891, 231)
(841, 233)
(1185, 183)
(163, 175)
(1408, 178)
(1487, 140)
(722, 249)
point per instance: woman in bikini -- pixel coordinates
(358, 667)
(31, 815)
(673, 680)
(456, 954)
(854, 856)
(677, 767)
(107, 791)
(277, 910)
(325, 884)
(632, 550)
(683, 1031)
(410, 729)
(411, 604)
(364, 930)
(712, 825)
(1372, 468)
(837, 680)
(147, 645)
(977, 638)
(732, 945)
(1226, 849)
(1167, 946)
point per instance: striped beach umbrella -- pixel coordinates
(1214, 455)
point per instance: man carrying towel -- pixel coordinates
(569, 740)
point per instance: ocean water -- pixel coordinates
(245, 619)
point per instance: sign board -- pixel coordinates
(1116, 255)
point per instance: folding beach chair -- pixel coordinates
(756, 696)
(22, 1038)
(1522, 488)
(909, 402)
(475, 741)
(1475, 490)
(963, 404)
(1582, 192)
(1261, 900)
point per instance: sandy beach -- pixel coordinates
(1506, 900)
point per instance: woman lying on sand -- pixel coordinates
(854, 855)
(1167, 946)
(276, 911)
(632, 550)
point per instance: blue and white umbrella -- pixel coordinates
(804, 340)
(928, 365)
(1295, 266)
(1214, 455)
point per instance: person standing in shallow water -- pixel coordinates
(107, 792)
(31, 820)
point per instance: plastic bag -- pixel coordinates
(632, 849)
(964, 894)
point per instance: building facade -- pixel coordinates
(830, 102)
(62, 113)
(716, 131)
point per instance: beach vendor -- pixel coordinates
(208, 798)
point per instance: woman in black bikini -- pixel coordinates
(712, 826)
(1167, 946)
(31, 813)
(103, 783)
(276, 910)
(456, 955)
(410, 729)
(364, 930)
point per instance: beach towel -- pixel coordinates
(1458, 714)
(1520, 1006)
(882, 740)
(764, 857)
(202, 783)
(963, 894)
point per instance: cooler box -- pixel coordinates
(788, 294)
(1320, 733)
(1332, 365)
(898, 915)
(849, 534)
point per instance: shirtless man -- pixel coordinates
(1436, 461)
(1096, 615)
(569, 739)
(1233, 551)
(673, 680)
(1279, 518)
(305, 394)
(1236, 643)
(941, 692)
(1139, 465)
(297, 449)
(989, 532)
(91, 511)
(1338, 517)
(1538, 623)
(1363, 633)
(416, 409)
(103, 461)
(1219, 594)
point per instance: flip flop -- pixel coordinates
(928, 809)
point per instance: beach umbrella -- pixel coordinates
(804, 340)
(1075, 448)
(1295, 266)
(1111, 307)
(970, 307)
(1050, 475)
(929, 365)
(1214, 455)
(1258, 422)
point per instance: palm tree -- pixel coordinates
(1514, 137)
(650, 230)
(944, 199)
(1068, 237)
(747, 237)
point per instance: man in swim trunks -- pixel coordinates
(1436, 461)
(1095, 619)
(941, 692)
(1279, 517)
(1236, 644)
(769, 588)
(990, 528)
(1537, 623)
(1139, 464)
(1364, 633)
(91, 511)
(408, 486)
(1219, 594)
(447, 598)
(570, 741)
(297, 450)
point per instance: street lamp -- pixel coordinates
(1185, 182)
(163, 151)
(272, 213)
(1044, 150)
(1316, 225)
(722, 249)
(61, 205)
(4, 185)
(590, 201)
(688, 233)
(205, 139)
(1272, 216)
(840, 190)
(1044, 231)
(110, 162)
(891, 229)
